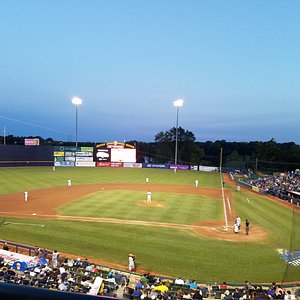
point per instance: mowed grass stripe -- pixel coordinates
(20, 179)
(274, 218)
(175, 208)
(164, 251)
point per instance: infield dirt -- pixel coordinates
(43, 203)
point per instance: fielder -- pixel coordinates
(196, 182)
(147, 180)
(69, 182)
(131, 262)
(238, 222)
(148, 196)
(25, 196)
(236, 228)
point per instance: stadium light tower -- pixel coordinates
(177, 103)
(76, 101)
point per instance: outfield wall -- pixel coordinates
(71, 156)
(25, 156)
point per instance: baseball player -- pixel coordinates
(238, 221)
(148, 196)
(196, 182)
(147, 180)
(25, 196)
(69, 182)
(236, 228)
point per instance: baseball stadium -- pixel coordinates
(90, 204)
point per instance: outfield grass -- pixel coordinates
(166, 251)
(175, 208)
(20, 179)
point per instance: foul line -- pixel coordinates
(108, 220)
(228, 202)
(28, 224)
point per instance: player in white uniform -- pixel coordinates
(148, 196)
(196, 182)
(25, 196)
(238, 222)
(69, 182)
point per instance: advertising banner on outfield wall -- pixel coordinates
(71, 148)
(158, 166)
(64, 164)
(84, 158)
(59, 153)
(65, 148)
(87, 149)
(70, 158)
(116, 164)
(102, 155)
(70, 153)
(132, 165)
(102, 164)
(85, 164)
(84, 154)
(109, 164)
(180, 167)
(207, 169)
(59, 158)
(194, 168)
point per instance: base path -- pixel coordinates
(43, 203)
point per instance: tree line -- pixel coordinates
(255, 155)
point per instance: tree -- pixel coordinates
(186, 144)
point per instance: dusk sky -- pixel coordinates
(236, 65)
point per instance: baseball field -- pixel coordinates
(104, 216)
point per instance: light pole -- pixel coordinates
(76, 101)
(177, 103)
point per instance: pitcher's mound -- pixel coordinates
(151, 204)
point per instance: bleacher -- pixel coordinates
(106, 282)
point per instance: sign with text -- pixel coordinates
(32, 142)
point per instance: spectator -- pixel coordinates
(179, 281)
(193, 285)
(197, 295)
(36, 251)
(289, 296)
(5, 247)
(85, 263)
(55, 257)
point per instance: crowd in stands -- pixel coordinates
(285, 186)
(78, 275)
(60, 274)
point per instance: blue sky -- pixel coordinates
(236, 64)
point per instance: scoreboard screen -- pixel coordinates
(123, 155)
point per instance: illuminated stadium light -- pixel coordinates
(76, 101)
(177, 103)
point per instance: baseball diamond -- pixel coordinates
(104, 215)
